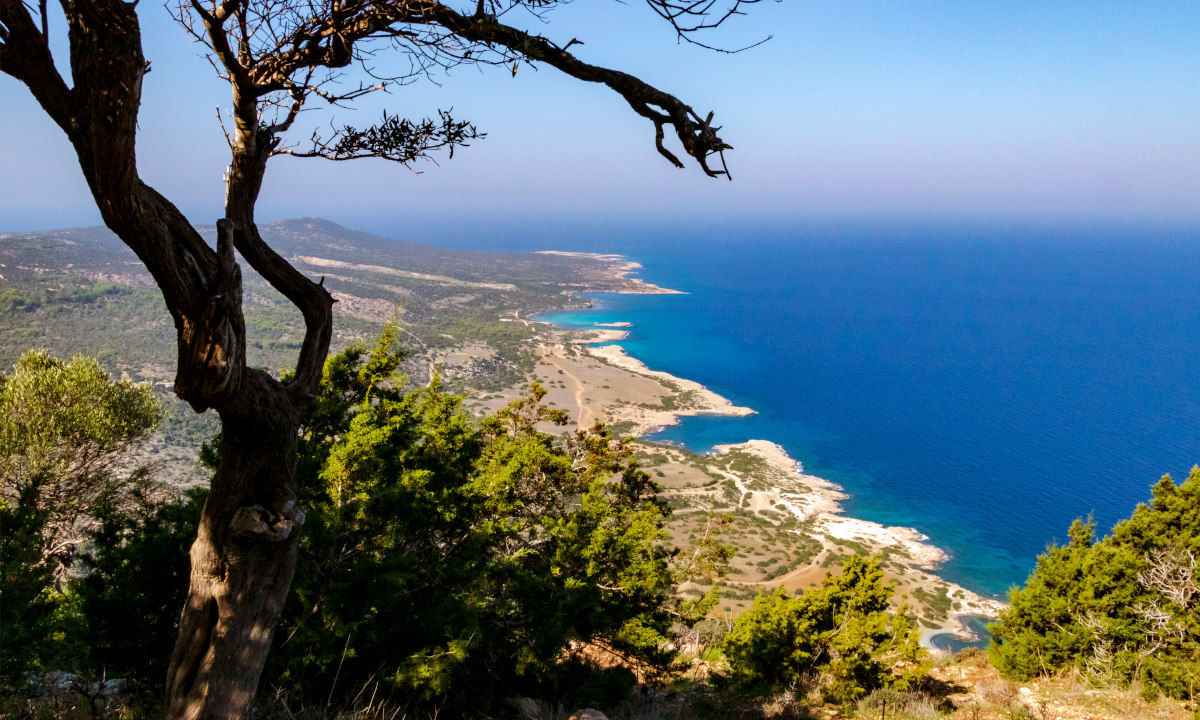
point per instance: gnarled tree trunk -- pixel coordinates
(244, 555)
(242, 560)
(274, 55)
(245, 550)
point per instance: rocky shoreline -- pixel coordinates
(640, 401)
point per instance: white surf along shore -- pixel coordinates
(810, 499)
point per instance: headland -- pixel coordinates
(789, 527)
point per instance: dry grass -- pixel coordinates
(982, 694)
(996, 691)
(898, 706)
(1071, 691)
(781, 705)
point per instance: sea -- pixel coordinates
(983, 383)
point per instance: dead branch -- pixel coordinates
(1172, 573)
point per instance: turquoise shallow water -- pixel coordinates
(951, 643)
(984, 388)
(984, 383)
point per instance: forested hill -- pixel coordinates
(322, 238)
(81, 290)
(96, 249)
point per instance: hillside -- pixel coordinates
(80, 290)
(469, 317)
(62, 289)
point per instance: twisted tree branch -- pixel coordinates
(698, 135)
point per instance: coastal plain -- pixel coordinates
(471, 318)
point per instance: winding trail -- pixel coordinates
(586, 416)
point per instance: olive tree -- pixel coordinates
(277, 56)
(69, 436)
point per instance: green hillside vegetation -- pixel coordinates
(82, 291)
(843, 628)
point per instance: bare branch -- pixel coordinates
(698, 136)
(695, 16)
(281, 44)
(1172, 573)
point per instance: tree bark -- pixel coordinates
(244, 555)
(245, 552)
(243, 558)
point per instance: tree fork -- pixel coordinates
(245, 553)
(244, 556)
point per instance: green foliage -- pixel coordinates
(31, 631)
(136, 585)
(937, 601)
(1125, 607)
(441, 553)
(66, 433)
(53, 412)
(68, 314)
(118, 620)
(842, 628)
(350, 380)
(13, 300)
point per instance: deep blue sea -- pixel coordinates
(985, 385)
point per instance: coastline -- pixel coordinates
(708, 403)
(620, 270)
(764, 478)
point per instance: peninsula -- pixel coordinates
(472, 319)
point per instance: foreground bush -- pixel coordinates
(446, 563)
(442, 554)
(1126, 607)
(68, 437)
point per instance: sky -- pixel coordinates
(1061, 111)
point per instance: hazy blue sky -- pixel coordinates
(1046, 110)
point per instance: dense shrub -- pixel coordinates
(1125, 607)
(842, 629)
(441, 553)
(132, 596)
(31, 607)
(68, 431)
(446, 562)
